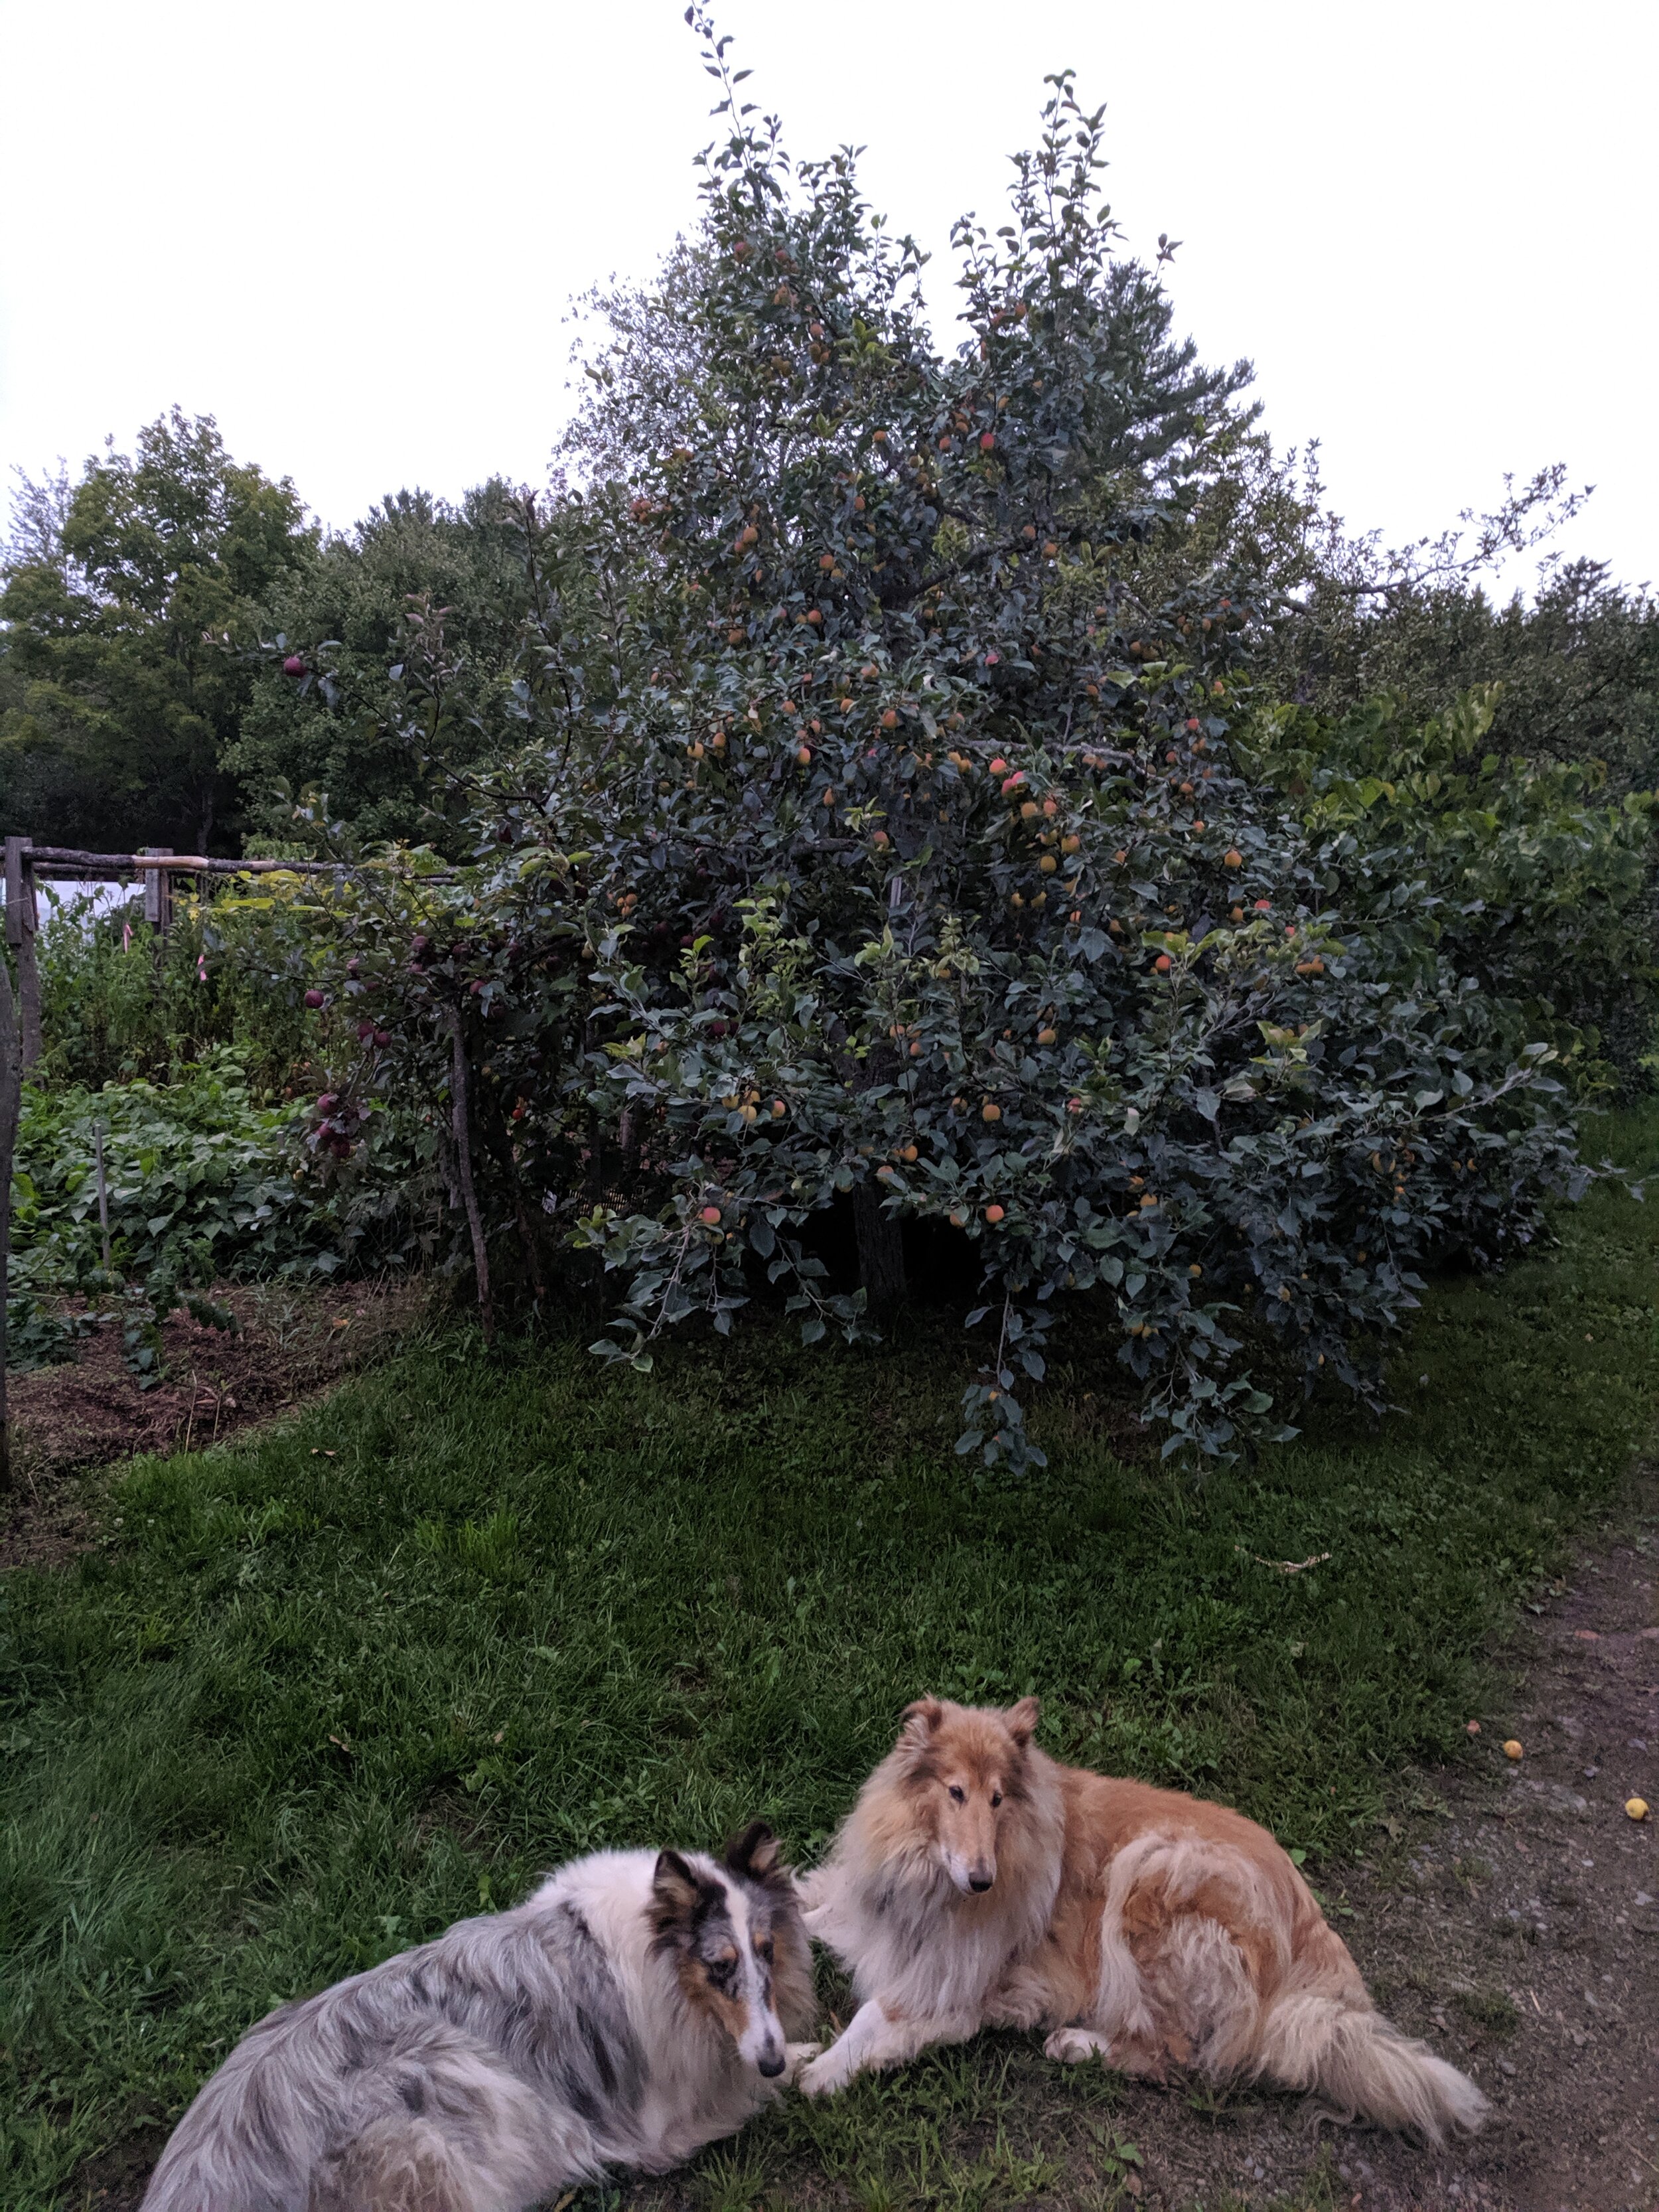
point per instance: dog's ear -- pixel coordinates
(754, 1853)
(675, 1892)
(1021, 1720)
(921, 1721)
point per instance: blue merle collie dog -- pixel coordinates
(637, 2007)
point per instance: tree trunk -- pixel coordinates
(878, 1235)
(498, 1137)
(880, 1239)
(460, 1123)
(11, 1084)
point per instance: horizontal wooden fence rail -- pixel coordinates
(27, 863)
(64, 858)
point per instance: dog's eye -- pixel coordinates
(764, 1950)
(996, 1797)
(959, 1794)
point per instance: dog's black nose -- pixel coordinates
(770, 2067)
(981, 1882)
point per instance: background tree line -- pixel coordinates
(137, 707)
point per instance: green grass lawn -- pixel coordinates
(316, 1695)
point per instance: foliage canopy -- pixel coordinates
(124, 604)
(414, 575)
(878, 843)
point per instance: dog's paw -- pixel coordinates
(1070, 2047)
(824, 2077)
(796, 2055)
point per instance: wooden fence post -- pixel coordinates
(158, 893)
(11, 1088)
(22, 922)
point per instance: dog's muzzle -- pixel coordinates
(771, 2065)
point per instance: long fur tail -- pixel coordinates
(1361, 2066)
(410, 2167)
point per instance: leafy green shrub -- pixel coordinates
(1522, 874)
(1578, 665)
(1573, 670)
(876, 847)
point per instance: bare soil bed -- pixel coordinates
(74, 1418)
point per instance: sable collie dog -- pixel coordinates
(638, 2006)
(976, 1883)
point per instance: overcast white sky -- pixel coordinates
(351, 230)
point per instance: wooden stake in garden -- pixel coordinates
(158, 890)
(103, 1189)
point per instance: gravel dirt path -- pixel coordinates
(1512, 1920)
